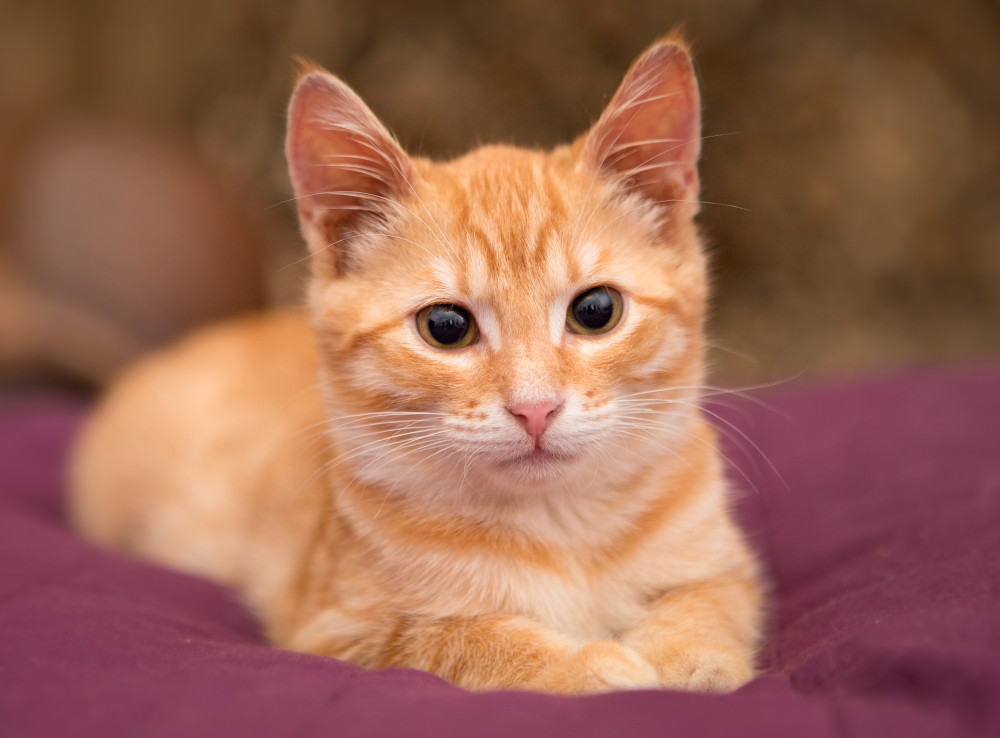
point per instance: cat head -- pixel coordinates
(511, 320)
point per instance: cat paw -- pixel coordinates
(600, 666)
(714, 670)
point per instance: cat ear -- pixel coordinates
(649, 136)
(347, 170)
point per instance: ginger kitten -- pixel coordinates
(480, 452)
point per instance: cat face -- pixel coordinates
(512, 320)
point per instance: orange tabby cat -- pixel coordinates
(480, 454)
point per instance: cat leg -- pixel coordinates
(703, 636)
(480, 652)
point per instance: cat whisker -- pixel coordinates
(711, 447)
(365, 423)
(306, 462)
(737, 441)
(392, 445)
(379, 438)
(444, 446)
(357, 429)
(600, 456)
(730, 350)
(740, 392)
(377, 432)
(360, 472)
(631, 431)
(330, 463)
(391, 413)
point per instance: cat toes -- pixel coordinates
(626, 669)
(707, 670)
(606, 666)
(601, 666)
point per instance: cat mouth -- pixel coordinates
(537, 455)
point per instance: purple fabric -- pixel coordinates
(879, 523)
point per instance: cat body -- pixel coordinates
(479, 452)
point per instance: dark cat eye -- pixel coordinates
(597, 310)
(446, 326)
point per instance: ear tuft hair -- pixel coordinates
(649, 136)
(347, 170)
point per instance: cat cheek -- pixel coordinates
(451, 381)
(592, 400)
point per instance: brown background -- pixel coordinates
(859, 139)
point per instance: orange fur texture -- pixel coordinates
(542, 508)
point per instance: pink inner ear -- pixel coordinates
(344, 164)
(649, 136)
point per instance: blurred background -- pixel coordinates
(854, 149)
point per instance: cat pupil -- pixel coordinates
(447, 324)
(594, 308)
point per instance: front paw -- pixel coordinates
(599, 666)
(704, 668)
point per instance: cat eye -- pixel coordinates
(595, 311)
(446, 326)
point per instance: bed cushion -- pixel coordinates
(875, 504)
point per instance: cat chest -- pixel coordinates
(565, 598)
(573, 602)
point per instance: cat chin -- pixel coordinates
(537, 458)
(534, 471)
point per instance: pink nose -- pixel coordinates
(534, 418)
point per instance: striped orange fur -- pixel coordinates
(542, 508)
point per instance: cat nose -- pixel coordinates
(535, 418)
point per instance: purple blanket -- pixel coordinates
(880, 523)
